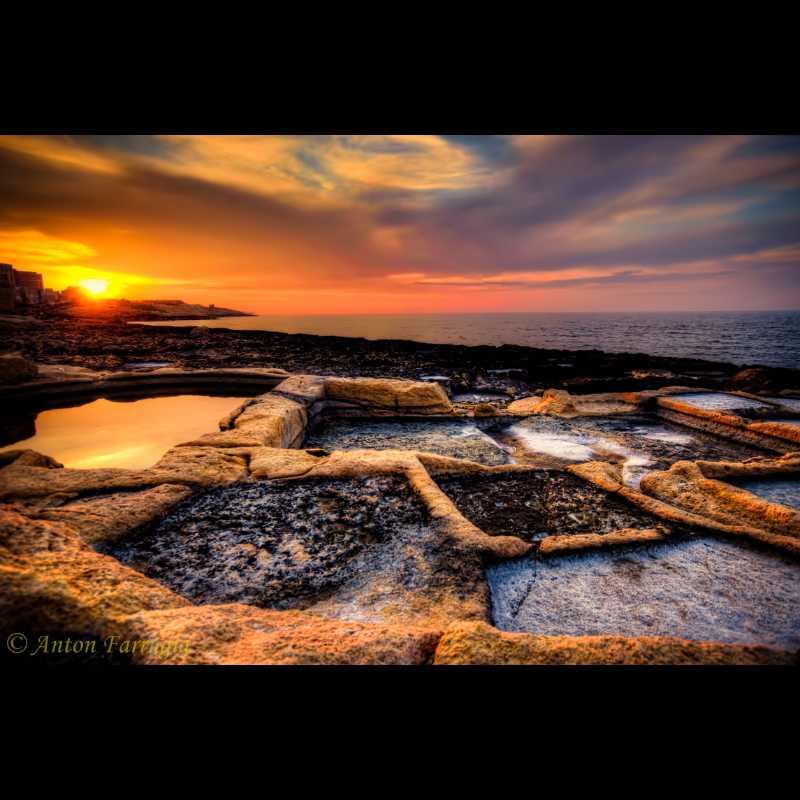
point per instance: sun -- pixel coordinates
(95, 286)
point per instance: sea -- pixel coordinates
(767, 338)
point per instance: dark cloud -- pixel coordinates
(628, 202)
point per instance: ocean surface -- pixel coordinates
(770, 338)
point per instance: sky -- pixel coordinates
(411, 224)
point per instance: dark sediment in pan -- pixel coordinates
(268, 544)
(535, 504)
(455, 438)
(347, 549)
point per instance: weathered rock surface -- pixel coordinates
(373, 588)
(239, 634)
(698, 588)
(537, 503)
(275, 421)
(52, 581)
(108, 517)
(27, 458)
(190, 466)
(15, 368)
(595, 541)
(560, 403)
(478, 643)
(684, 485)
(394, 395)
(457, 438)
(93, 343)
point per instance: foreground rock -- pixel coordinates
(15, 368)
(243, 549)
(239, 634)
(477, 643)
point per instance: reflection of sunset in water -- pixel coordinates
(133, 435)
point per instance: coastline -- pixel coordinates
(103, 344)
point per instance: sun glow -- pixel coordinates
(95, 286)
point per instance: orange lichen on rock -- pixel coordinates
(241, 634)
(759, 467)
(684, 485)
(478, 643)
(780, 430)
(594, 541)
(560, 403)
(52, 581)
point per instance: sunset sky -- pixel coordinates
(402, 224)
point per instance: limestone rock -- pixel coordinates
(15, 368)
(275, 462)
(685, 486)
(559, 403)
(240, 634)
(51, 581)
(780, 430)
(111, 516)
(275, 421)
(478, 643)
(198, 466)
(305, 389)
(28, 458)
(225, 439)
(388, 393)
(592, 541)
(600, 473)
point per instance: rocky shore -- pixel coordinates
(488, 513)
(513, 371)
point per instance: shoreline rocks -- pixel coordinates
(104, 345)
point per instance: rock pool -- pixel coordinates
(540, 503)
(789, 402)
(702, 589)
(719, 401)
(105, 433)
(346, 548)
(448, 437)
(637, 442)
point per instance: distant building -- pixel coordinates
(8, 289)
(22, 288)
(28, 280)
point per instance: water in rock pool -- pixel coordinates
(789, 402)
(104, 433)
(719, 401)
(703, 589)
(785, 491)
(637, 442)
(456, 438)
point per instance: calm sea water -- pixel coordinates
(768, 338)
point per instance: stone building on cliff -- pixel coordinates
(20, 288)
